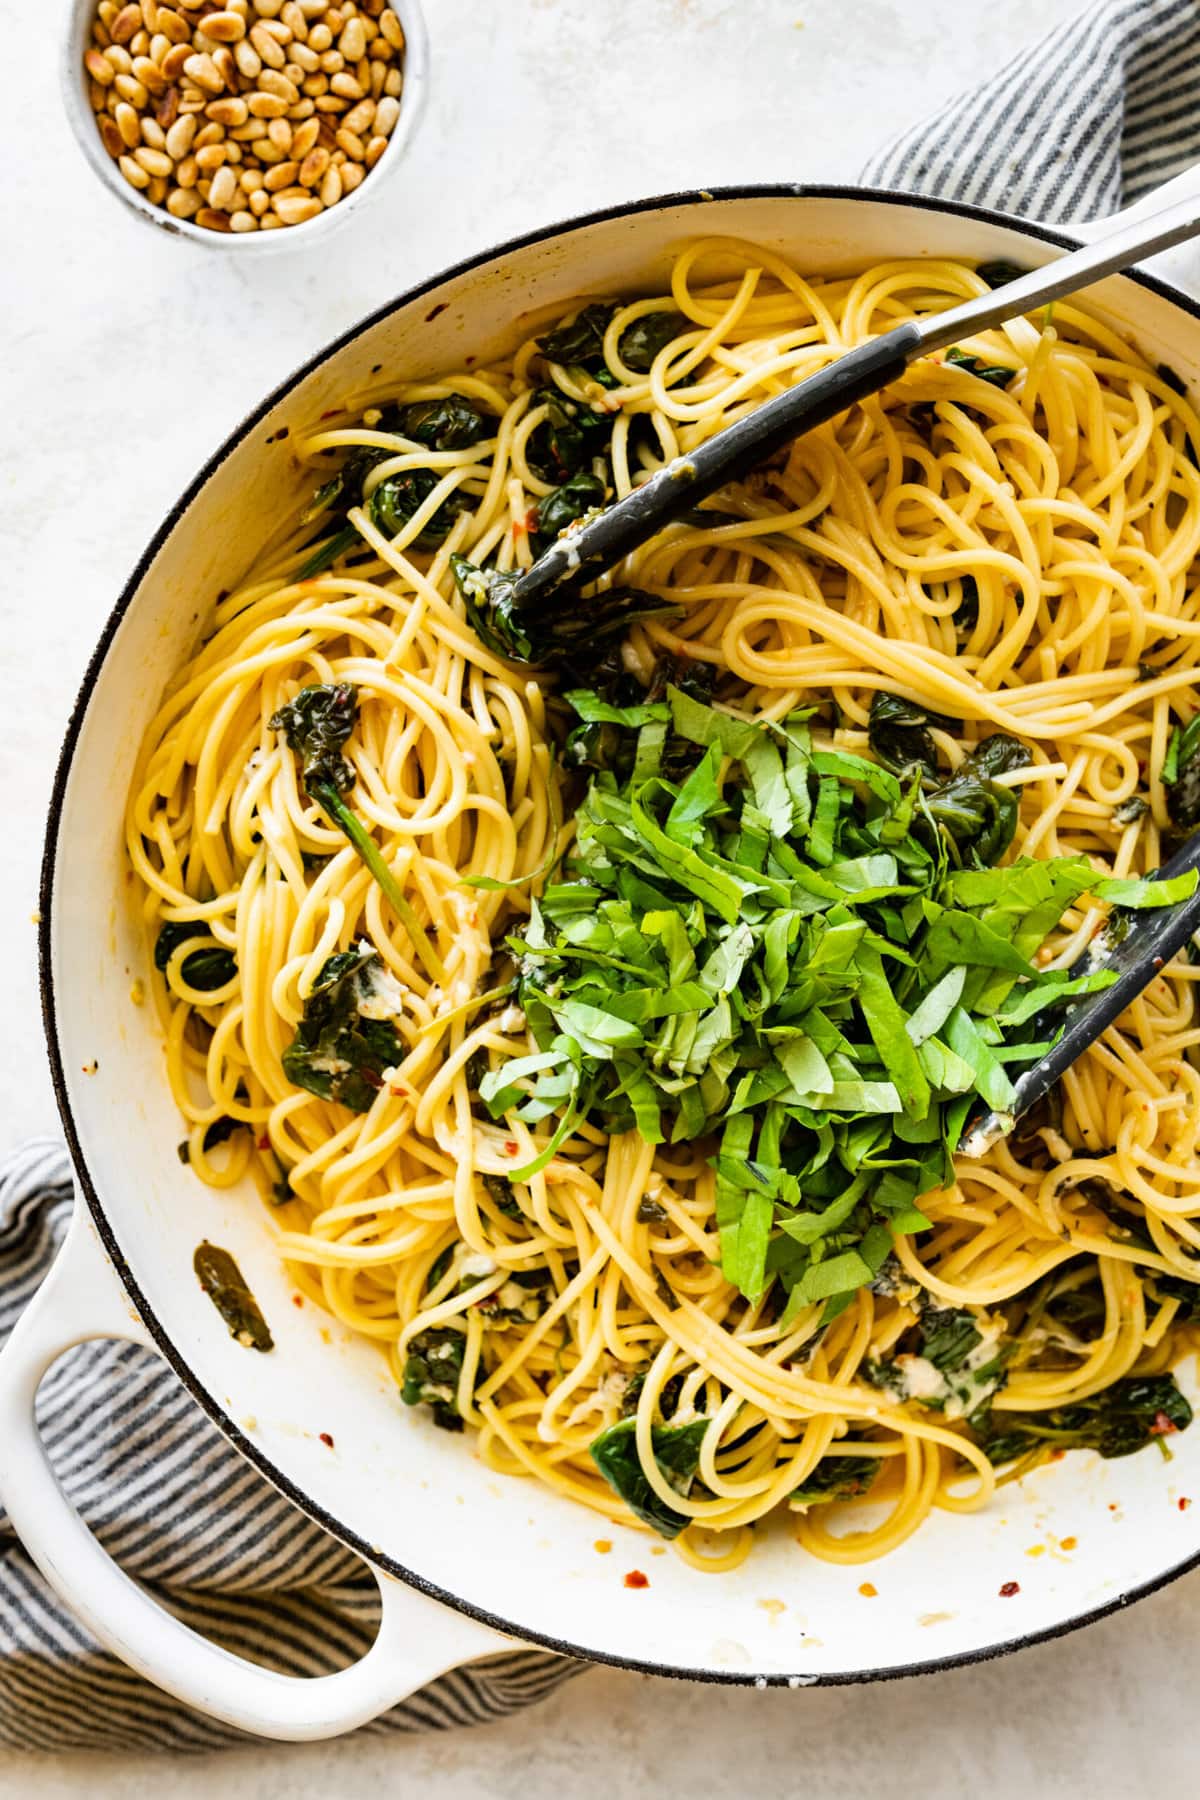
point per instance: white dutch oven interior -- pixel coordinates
(415, 1496)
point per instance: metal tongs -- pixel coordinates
(1144, 941)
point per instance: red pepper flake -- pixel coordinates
(1184, 1503)
(326, 1439)
(1158, 962)
(868, 1590)
(1162, 1426)
(433, 312)
(602, 1546)
(1113, 1507)
(297, 1299)
(1057, 1455)
(1009, 1589)
(331, 412)
(262, 1143)
(635, 1579)
(1067, 1543)
(511, 1147)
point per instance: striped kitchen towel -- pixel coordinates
(185, 1515)
(1103, 109)
(1100, 112)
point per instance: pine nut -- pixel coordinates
(352, 176)
(331, 187)
(119, 59)
(333, 62)
(211, 157)
(225, 27)
(233, 153)
(153, 134)
(272, 82)
(183, 203)
(127, 22)
(360, 118)
(131, 89)
(259, 201)
(312, 9)
(98, 96)
(320, 37)
(248, 60)
(293, 17)
(133, 172)
(315, 86)
(155, 162)
(99, 68)
(267, 9)
(267, 48)
(294, 211)
(280, 134)
(394, 84)
(386, 114)
(304, 137)
(167, 110)
(330, 103)
(391, 28)
(246, 134)
(313, 167)
(150, 75)
(156, 193)
(208, 134)
(281, 177)
(204, 72)
(279, 31)
(172, 26)
(375, 150)
(377, 79)
(173, 62)
(111, 138)
(267, 106)
(232, 110)
(304, 59)
(380, 51)
(353, 41)
(187, 172)
(139, 43)
(303, 109)
(270, 222)
(223, 191)
(352, 144)
(159, 45)
(128, 124)
(223, 57)
(180, 136)
(266, 152)
(250, 180)
(243, 221)
(213, 220)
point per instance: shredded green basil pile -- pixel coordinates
(799, 954)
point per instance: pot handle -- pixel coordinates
(418, 1639)
(1180, 266)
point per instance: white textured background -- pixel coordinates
(125, 358)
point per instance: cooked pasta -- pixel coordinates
(1004, 539)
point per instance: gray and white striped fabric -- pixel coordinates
(1101, 111)
(185, 1515)
(1098, 113)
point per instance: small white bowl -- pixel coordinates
(294, 237)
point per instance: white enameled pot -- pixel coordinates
(468, 1561)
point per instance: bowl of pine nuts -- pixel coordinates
(244, 122)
